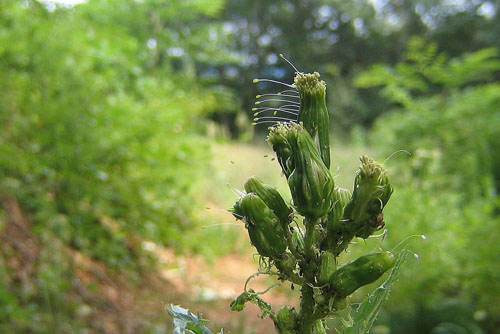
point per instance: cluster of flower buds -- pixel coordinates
(332, 216)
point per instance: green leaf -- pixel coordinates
(186, 322)
(368, 310)
(251, 296)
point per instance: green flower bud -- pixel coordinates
(341, 197)
(327, 267)
(372, 190)
(338, 304)
(311, 183)
(264, 229)
(286, 320)
(286, 263)
(297, 243)
(313, 113)
(278, 138)
(272, 198)
(335, 225)
(237, 211)
(320, 298)
(365, 270)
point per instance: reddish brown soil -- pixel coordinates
(209, 288)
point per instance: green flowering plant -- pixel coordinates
(300, 242)
(305, 250)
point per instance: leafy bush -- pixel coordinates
(446, 114)
(100, 145)
(94, 145)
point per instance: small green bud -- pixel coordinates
(313, 113)
(311, 183)
(341, 198)
(286, 320)
(334, 223)
(365, 270)
(264, 229)
(320, 298)
(327, 267)
(272, 198)
(339, 304)
(237, 211)
(278, 138)
(286, 263)
(297, 243)
(372, 190)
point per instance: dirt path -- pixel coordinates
(210, 287)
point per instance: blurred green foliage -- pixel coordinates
(341, 39)
(94, 143)
(104, 106)
(100, 143)
(446, 113)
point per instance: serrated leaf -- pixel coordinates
(368, 310)
(238, 304)
(186, 322)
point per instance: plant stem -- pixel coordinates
(309, 238)
(307, 303)
(306, 310)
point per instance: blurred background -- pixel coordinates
(125, 126)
